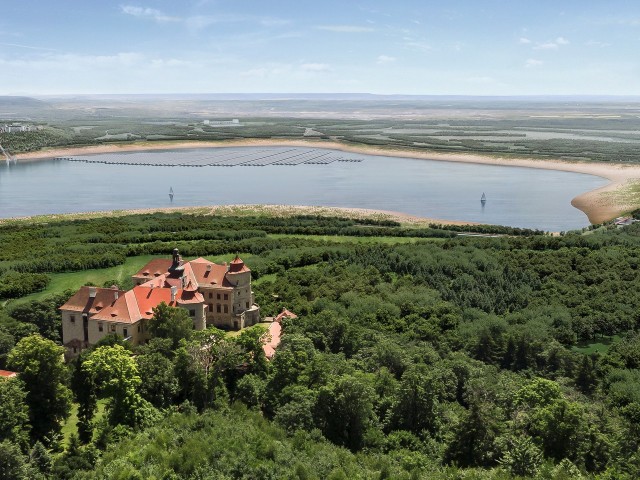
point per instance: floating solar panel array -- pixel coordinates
(220, 158)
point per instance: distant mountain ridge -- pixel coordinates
(332, 97)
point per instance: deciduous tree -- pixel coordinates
(42, 370)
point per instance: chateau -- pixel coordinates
(213, 294)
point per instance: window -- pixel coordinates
(100, 327)
(218, 308)
(211, 307)
(226, 296)
(113, 328)
(192, 312)
(125, 332)
(72, 318)
(226, 309)
(247, 304)
(210, 295)
(218, 296)
(75, 350)
(138, 328)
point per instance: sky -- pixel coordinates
(412, 47)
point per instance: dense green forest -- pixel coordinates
(416, 354)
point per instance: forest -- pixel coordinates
(417, 353)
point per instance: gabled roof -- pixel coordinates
(154, 268)
(82, 302)
(198, 273)
(272, 340)
(209, 274)
(139, 302)
(7, 374)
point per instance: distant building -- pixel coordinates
(623, 221)
(16, 127)
(6, 374)
(213, 294)
(223, 123)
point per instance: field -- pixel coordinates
(602, 346)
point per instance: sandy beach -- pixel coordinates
(599, 205)
(250, 210)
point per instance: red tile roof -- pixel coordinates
(154, 268)
(272, 339)
(198, 272)
(285, 314)
(208, 274)
(237, 266)
(81, 301)
(138, 303)
(7, 374)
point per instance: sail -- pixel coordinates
(483, 199)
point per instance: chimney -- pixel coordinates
(174, 292)
(116, 295)
(92, 292)
(208, 267)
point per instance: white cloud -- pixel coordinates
(198, 22)
(345, 28)
(315, 67)
(532, 63)
(546, 46)
(150, 13)
(551, 45)
(524, 41)
(384, 59)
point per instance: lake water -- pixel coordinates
(521, 197)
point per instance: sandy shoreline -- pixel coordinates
(246, 210)
(599, 205)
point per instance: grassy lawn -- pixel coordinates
(70, 426)
(350, 239)
(596, 347)
(235, 333)
(74, 280)
(265, 278)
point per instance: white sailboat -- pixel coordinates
(171, 193)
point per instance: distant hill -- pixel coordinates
(334, 96)
(22, 108)
(11, 101)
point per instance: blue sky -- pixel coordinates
(494, 47)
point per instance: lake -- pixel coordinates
(516, 196)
